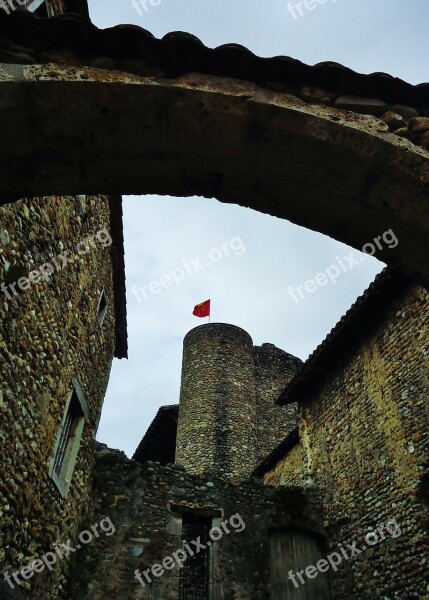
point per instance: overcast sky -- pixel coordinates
(244, 261)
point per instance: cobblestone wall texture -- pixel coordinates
(228, 419)
(48, 335)
(274, 369)
(142, 501)
(217, 409)
(364, 443)
(287, 471)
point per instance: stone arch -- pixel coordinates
(73, 129)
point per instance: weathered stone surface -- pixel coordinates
(419, 125)
(366, 106)
(48, 335)
(212, 121)
(404, 132)
(228, 417)
(365, 447)
(393, 120)
(274, 369)
(217, 410)
(288, 471)
(407, 112)
(423, 140)
(240, 564)
(241, 143)
(316, 96)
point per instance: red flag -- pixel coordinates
(202, 310)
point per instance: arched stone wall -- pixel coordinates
(70, 129)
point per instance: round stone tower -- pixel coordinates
(217, 410)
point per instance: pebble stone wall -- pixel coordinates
(274, 369)
(142, 502)
(48, 335)
(217, 409)
(228, 419)
(287, 471)
(364, 444)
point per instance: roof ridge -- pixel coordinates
(179, 52)
(388, 281)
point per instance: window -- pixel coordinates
(68, 440)
(102, 308)
(194, 575)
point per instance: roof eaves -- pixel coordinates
(147, 438)
(366, 311)
(291, 440)
(118, 263)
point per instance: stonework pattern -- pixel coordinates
(365, 452)
(217, 409)
(48, 335)
(274, 369)
(145, 503)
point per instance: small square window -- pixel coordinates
(68, 440)
(102, 308)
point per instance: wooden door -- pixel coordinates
(293, 551)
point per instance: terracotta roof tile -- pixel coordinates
(178, 53)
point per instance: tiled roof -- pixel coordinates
(178, 53)
(159, 441)
(365, 313)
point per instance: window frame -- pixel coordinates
(68, 439)
(102, 307)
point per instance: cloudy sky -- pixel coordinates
(244, 261)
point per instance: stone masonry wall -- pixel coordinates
(228, 419)
(274, 369)
(48, 334)
(364, 442)
(217, 410)
(287, 471)
(141, 501)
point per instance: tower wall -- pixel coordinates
(274, 370)
(217, 411)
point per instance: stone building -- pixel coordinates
(348, 482)
(285, 464)
(62, 309)
(362, 442)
